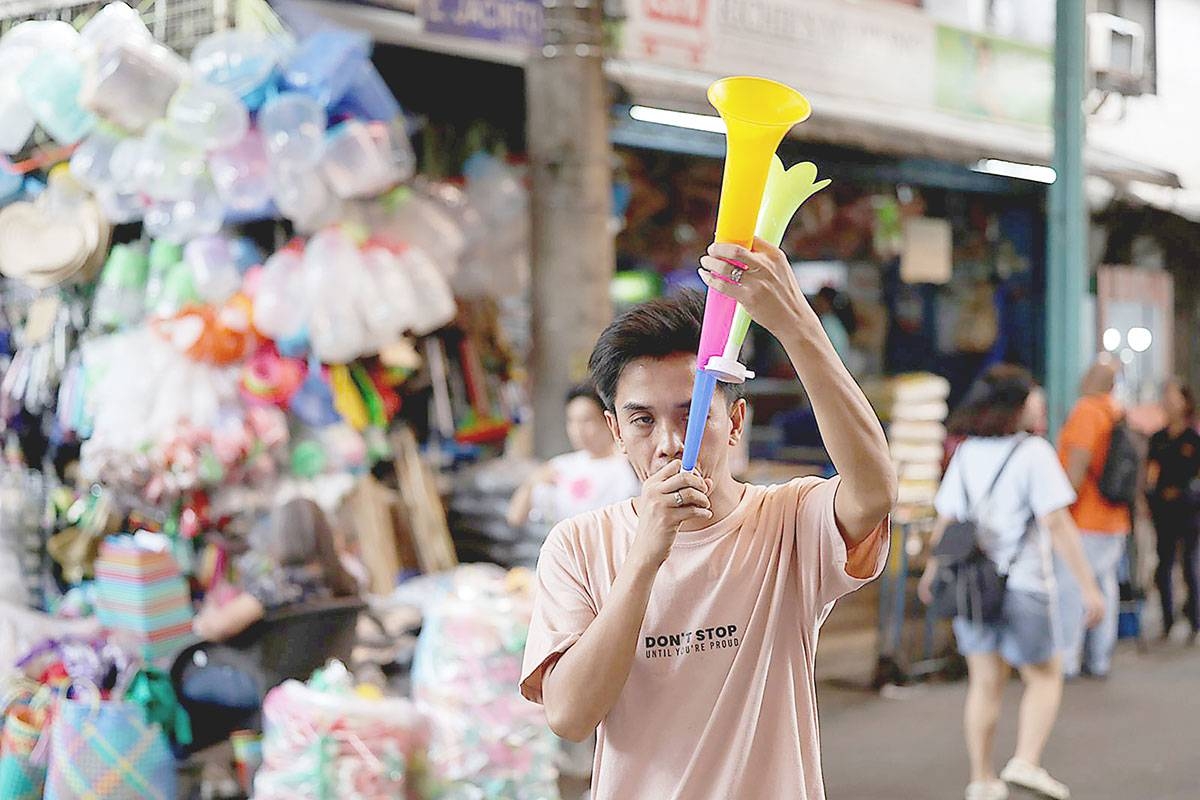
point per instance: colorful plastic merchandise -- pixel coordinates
(332, 742)
(141, 592)
(465, 676)
(253, 126)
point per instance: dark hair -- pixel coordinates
(662, 327)
(993, 404)
(584, 390)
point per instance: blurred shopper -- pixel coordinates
(593, 476)
(292, 560)
(1011, 486)
(1084, 446)
(837, 318)
(1172, 473)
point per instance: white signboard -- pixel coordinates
(870, 50)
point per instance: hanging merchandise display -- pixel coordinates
(222, 284)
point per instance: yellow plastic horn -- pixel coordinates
(757, 113)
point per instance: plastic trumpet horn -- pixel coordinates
(757, 113)
(786, 191)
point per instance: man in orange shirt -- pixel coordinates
(1083, 449)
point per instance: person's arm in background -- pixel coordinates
(1077, 463)
(1078, 442)
(1065, 538)
(217, 623)
(925, 586)
(582, 686)
(522, 502)
(849, 426)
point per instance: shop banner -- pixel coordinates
(516, 22)
(997, 78)
(879, 51)
(873, 50)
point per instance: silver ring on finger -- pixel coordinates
(678, 499)
(735, 274)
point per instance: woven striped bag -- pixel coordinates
(105, 750)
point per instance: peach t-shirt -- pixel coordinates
(721, 700)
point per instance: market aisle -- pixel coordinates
(1130, 738)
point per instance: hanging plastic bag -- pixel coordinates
(281, 301)
(334, 271)
(434, 298)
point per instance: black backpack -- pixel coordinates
(968, 583)
(1119, 480)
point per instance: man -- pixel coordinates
(1083, 449)
(684, 622)
(594, 475)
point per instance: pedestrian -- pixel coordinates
(595, 474)
(1010, 485)
(1083, 449)
(684, 623)
(1172, 474)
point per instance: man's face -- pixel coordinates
(650, 421)
(586, 428)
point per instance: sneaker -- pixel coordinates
(987, 790)
(1027, 776)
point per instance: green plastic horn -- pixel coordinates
(786, 191)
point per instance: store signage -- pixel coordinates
(871, 50)
(987, 76)
(517, 22)
(886, 53)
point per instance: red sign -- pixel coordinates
(680, 12)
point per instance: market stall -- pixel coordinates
(229, 282)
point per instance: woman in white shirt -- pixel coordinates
(1012, 485)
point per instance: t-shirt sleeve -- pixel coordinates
(562, 610)
(1049, 487)
(840, 570)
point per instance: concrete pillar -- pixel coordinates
(1066, 262)
(573, 258)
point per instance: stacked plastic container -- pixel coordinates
(142, 593)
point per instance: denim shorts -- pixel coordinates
(1028, 635)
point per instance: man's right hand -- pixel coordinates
(670, 497)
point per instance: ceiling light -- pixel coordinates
(1012, 169)
(678, 119)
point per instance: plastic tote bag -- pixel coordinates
(105, 750)
(22, 776)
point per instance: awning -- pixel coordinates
(892, 130)
(868, 125)
(399, 25)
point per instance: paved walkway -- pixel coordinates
(1133, 737)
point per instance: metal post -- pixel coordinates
(1066, 261)
(573, 257)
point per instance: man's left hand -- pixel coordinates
(762, 281)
